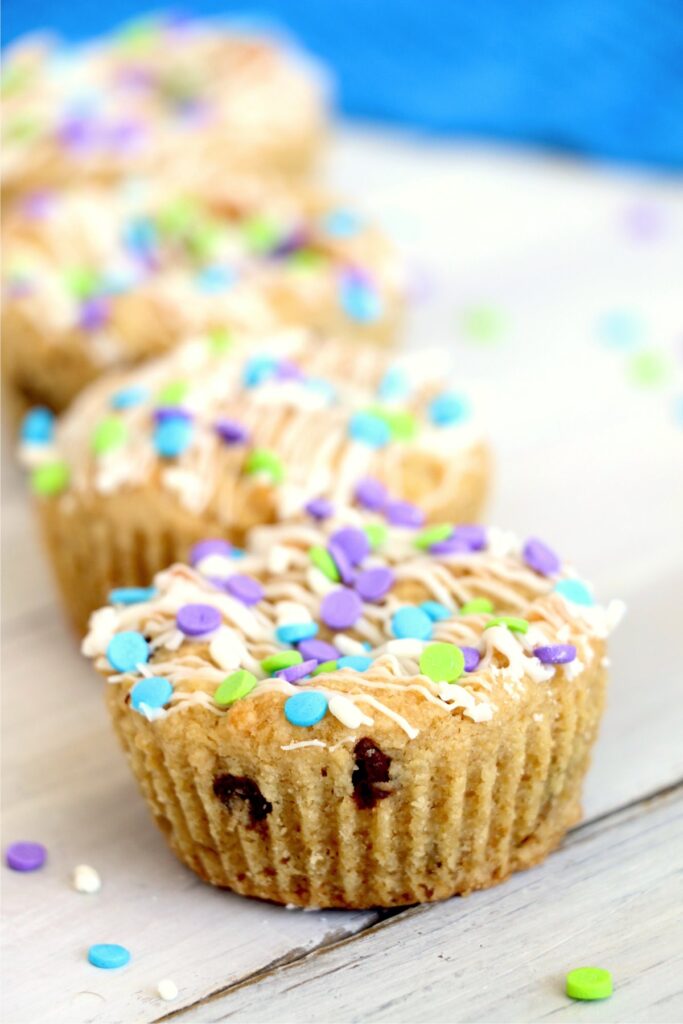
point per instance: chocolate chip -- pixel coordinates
(372, 769)
(238, 787)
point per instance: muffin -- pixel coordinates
(162, 93)
(215, 438)
(354, 715)
(96, 280)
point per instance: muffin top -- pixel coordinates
(325, 625)
(121, 276)
(155, 92)
(222, 423)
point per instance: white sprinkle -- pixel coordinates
(481, 713)
(226, 649)
(167, 989)
(291, 612)
(219, 566)
(279, 558)
(405, 647)
(86, 879)
(616, 610)
(347, 644)
(347, 713)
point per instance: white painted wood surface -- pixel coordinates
(586, 460)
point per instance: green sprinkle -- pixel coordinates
(401, 423)
(283, 659)
(173, 393)
(649, 368)
(50, 478)
(324, 561)
(377, 534)
(305, 259)
(444, 663)
(234, 687)
(109, 434)
(432, 535)
(477, 605)
(203, 239)
(261, 235)
(220, 340)
(513, 624)
(325, 666)
(23, 129)
(260, 460)
(177, 217)
(482, 324)
(82, 282)
(589, 983)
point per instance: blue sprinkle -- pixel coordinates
(238, 553)
(131, 595)
(341, 224)
(38, 426)
(305, 709)
(140, 236)
(360, 302)
(257, 370)
(357, 662)
(215, 279)
(448, 408)
(620, 329)
(154, 691)
(127, 398)
(436, 612)
(127, 650)
(108, 955)
(173, 436)
(295, 632)
(323, 387)
(394, 385)
(575, 591)
(370, 429)
(411, 622)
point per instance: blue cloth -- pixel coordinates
(597, 77)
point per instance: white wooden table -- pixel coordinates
(585, 458)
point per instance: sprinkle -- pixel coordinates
(353, 542)
(402, 424)
(173, 436)
(86, 879)
(649, 368)
(371, 493)
(306, 708)
(212, 546)
(173, 393)
(433, 534)
(257, 370)
(620, 329)
(472, 658)
(341, 608)
(539, 557)
(282, 659)
(38, 426)
(198, 619)
(50, 478)
(127, 650)
(324, 667)
(556, 654)
(94, 313)
(512, 623)
(234, 687)
(403, 513)
(25, 856)
(260, 460)
(320, 650)
(319, 508)
(412, 622)
(359, 300)
(448, 409)
(589, 983)
(322, 559)
(374, 584)
(341, 223)
(477, 606)
(220, 340)
(296, 672)
(369, 429)
(357, 662)
(131, 595)
(444, 663)
(108, 955)
(245, 588)
(152, 691)
(230, 431)
(450, 546)
(471, 534)
(482, 324)
(346, 712)
(377, 534)
(295, 632)
(108, 435)
(574, 591)
(214, 279)
(394, 385)
(128, 398)
(437, 612)
(167, 989)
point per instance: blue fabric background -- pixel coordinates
(597, 77)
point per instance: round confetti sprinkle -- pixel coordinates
(260, 460)
(482, 324)
(109, 434)
(173, 436)
(374, 584)
(198, 619)
(511, 622)
(245, 588)
(345, 568)
(167, 989)
(477, 606)
(394, 385)
(472, 535)
(323, 560)
(403, 513)
(649, 368)
(353, 542)
(108, 955)
(152, 691)
(128, 398)
(377, 534)
(173, 393)
(306, 708)
(341, 608)
(212, 546)
(450, 546)
(620, 329)
(437, 612)
(319, 650)
(411, 622)
(448, 409)
(282, 659)
(539, 557)
(357, 662)
(589, 983)
(402, 424)
(444, 663)
(556, 654)
(319, 508)
(163, 413)
(234, 687)
(230, 431)
(38, 426)
(49, 479)
(296, 672)
(25, 856)
(369, 429)
(360, 301)
(127, 650)
(131, 595)
(432, 535)
(371, 494)
(472, 658)
(295, 632)
(574, 591)
(341, 223)
(324, 667)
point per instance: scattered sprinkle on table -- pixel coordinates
(167, 989)
(108, 955)
(589, 983)
(25, 856)
(86, 879)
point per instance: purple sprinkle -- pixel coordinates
(319, 508)
(211, 546)
(474, 536)
(555, 654)
(287, 370)
(373, 584)
(198, 619)
(291, 243)
(353, 542)
(372, 494)
(341, 608)
(296, 672)
(356, 276)
(37, 205)
(231, 431)
(403, 513)
(451, 546)
(472, 658)
(343, 562)
(539, 557)
(245, 588)
(318, 650)
(25, 856)
(94, 313)
(126, 136)
(79, 133)
(171, 412)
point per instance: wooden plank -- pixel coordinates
(611, 898)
